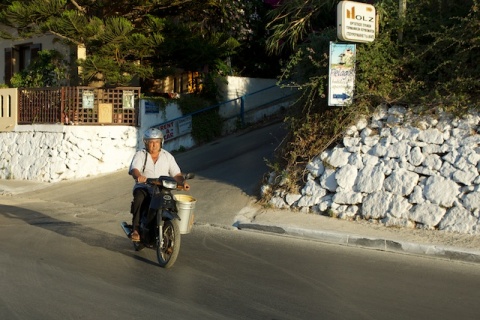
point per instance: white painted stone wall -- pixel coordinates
(52, 153)
(399, 169)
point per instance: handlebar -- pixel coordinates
(180, 186)
(154, 181)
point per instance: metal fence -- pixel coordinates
(79, 105)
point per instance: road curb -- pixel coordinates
(387, 245)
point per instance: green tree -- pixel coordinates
(110, 40)
(135, 38)
(252, 58)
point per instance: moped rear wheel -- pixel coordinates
(167, 251)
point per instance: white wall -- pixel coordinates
(258, 95)
(52, 153)
(237, 87)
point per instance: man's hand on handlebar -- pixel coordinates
(141, 179)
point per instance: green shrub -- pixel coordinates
(48, 69)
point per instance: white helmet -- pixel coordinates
(152, 133)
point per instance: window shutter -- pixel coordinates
(34, 48)
(8, 65)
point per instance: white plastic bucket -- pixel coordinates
(185, 206)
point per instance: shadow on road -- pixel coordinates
(90, 236)
(238, 160)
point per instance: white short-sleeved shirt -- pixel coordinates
(165, 165)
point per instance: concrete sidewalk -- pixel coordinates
(13, 187)
(429, 243)
(432, 243)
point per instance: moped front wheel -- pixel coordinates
(169, 244)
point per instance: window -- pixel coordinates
(23, 54)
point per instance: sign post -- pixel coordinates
(356, 22)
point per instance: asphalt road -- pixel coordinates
(54, 266)
(64, 256)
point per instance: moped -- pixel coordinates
(167, 217)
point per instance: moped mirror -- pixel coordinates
(189, 175)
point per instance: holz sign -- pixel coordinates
(356, 21)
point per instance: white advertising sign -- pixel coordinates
(341, 80)
(356, 21)
(176, 128)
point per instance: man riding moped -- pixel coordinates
(151, 162)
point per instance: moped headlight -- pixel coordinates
(169, 184)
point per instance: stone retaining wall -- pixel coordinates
(51, 153)
(399, 169)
